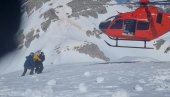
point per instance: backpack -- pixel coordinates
(36, 57)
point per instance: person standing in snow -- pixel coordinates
(29, 64)
(37, 61)
(41, 67)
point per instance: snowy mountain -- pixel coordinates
(78, 61)
(67, 32)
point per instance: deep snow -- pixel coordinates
(141, 79)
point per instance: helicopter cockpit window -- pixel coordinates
(129, 26)
(117, 25)
(106, 23)
(142, 25)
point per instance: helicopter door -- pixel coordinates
(129, 27)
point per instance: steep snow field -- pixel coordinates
(142, 79)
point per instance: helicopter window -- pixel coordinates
(104, 25)
(142, 25)
(159, 18)
(117, 25)
(129, 26)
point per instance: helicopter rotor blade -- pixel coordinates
(111, 4)
(167, 2)
(123, 4)
(160, 2)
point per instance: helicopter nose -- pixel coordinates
(101, 25)
(104, 25)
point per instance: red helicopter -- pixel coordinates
(145, 23)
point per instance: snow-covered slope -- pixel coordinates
(137, 59)
(66, 30)
(145, 79)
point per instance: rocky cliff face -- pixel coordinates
(30, 5)
(86, 8)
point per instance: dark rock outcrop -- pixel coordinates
(92, 50)
(88, 8)
(159, 43)
(49, 16)
(29, 5)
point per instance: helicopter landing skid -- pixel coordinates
(116, 45)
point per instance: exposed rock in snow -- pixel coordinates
(159, 43)
(25, 40)
(29, 5)
(95, 33)
(88, 8)
(167, 50)
(92, 50)
(30, 37)
(163, 43)
(86, 48)
(49, 16)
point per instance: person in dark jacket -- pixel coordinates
(40, 64)
(29, 64)
(37, 60)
